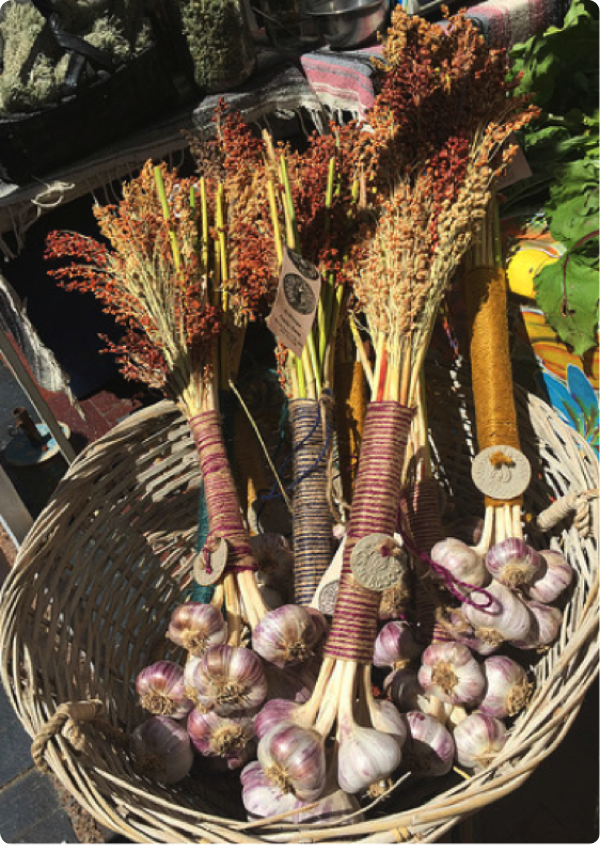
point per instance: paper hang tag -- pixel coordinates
(295, 306)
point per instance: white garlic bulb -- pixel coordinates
(396, 645)
(226, 679)
(365, 756)
(507, 617)
(545, 628)
(274, 712)
(478, 739)
(462, 562)
(450, 672)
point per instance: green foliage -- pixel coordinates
(559, 68)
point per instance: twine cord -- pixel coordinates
(374, 508)
(313, 520)
(449, 579)
(222, 506)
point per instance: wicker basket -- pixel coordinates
(86, 607)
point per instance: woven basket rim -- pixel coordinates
(143, 812)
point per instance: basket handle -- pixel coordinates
(65, 721)
(578, 504)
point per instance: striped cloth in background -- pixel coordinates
(343, 81)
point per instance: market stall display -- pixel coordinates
(237, 715)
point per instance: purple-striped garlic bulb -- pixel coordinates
(196, 626)
(293, 759)
(545, 628)
(288, 635)
(161, 690)
(396, 645)
(221, 736)
(430, 747)
(552, 579)
(226, 679)
(451, 673)
(513, 563)
(508, 689)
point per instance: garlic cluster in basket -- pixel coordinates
(208, 705)
(460, 690)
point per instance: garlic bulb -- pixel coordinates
(506, 618)
(553, 578)
(508, 690)
(431, 745)
(262, 799)
(386, 718)
(478, 739)
(293, 759)
(161, 690)
(404, 688)
(196, 626)
(461, 561)
(545, 628)
(287, 635)
(161, 749)
(294, 684)
(513, 563)
(463, 633)
(220, 736)
(396, 645)
(274, 712)
(365, 756)
(227, 679)
(450, 672)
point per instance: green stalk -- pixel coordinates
(162, 195)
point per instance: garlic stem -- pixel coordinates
(486, 534)
(330, 707)
(307, 713)
(232, 610)
(347, 696)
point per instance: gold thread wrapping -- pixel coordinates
(496, 416)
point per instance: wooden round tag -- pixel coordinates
(377, 562)
(210, 562)
(501, 472)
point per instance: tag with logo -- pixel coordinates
(296, 301)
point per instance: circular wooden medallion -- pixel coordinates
(210, 562)
(377, 562)
(501, 472)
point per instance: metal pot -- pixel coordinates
(345, 24)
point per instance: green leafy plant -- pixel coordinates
(559, 69)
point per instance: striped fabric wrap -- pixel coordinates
(222, 506)
(374, 510)
(312, 436)
(424, 514)
(506, 22)
(343, 82)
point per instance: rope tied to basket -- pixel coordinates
(65, 721)
(576, 504)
